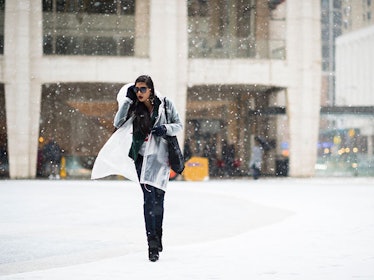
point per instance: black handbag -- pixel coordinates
(176, 159)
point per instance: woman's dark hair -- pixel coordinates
(148, 81)
(142, 121)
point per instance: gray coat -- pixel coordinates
(155, 170)
(256, 157)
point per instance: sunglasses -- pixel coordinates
(142, 89)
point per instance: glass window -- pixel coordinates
(87, 27)
(197, 8)
(227, 29)
(245, 14)
(337, 4)
(67, 45)
(122, 7)
(325, 58)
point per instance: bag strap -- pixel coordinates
(166, 111)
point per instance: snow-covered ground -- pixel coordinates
(277, 228)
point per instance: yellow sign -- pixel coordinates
(196, 169)
(63, 168)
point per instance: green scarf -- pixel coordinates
(138, 136)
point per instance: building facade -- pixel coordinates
(354, 60)
(235, 69)
(346, 126)
(356, 14)
(339, 17)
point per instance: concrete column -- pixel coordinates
(168, 51)
(142, 23)
(23, 48)
(304, 91)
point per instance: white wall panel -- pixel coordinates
(355, 68)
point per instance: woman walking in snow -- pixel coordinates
(138, 147)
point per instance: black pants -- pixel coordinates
(256, 172)
(153, 205)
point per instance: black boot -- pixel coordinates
(153, 249)
(159, 239)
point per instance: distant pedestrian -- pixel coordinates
(52, 154)
(256, 159)
(228, 157)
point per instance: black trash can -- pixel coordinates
(281, 167)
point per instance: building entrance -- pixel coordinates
(222, 121)
(79, 119)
